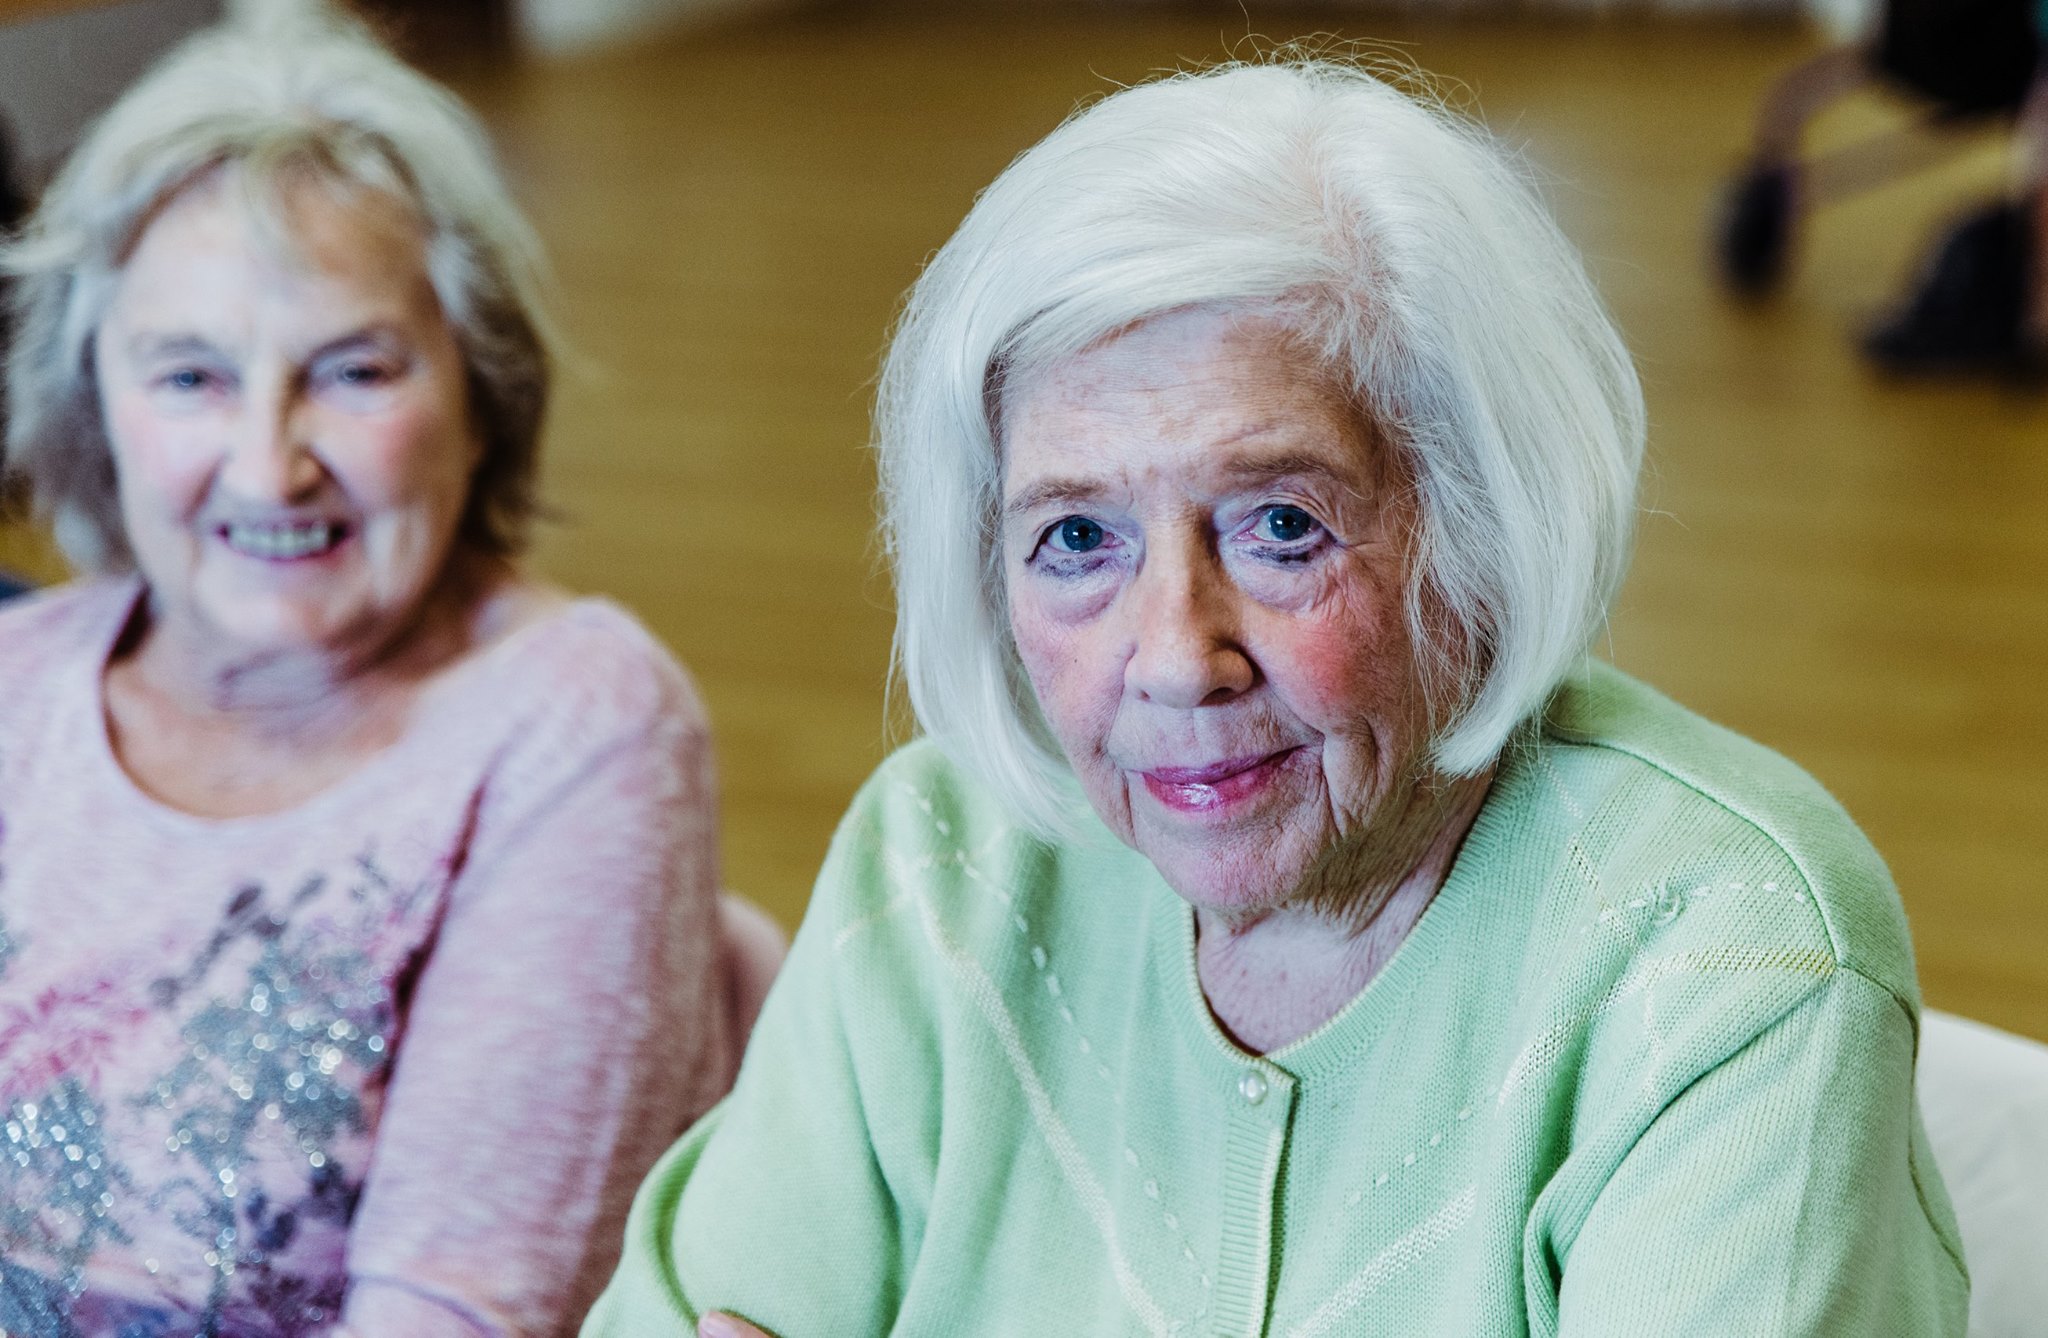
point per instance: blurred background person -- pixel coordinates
(358, 933)
(1979, 303)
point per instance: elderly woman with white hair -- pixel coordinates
(1283, 928)
(358, 946)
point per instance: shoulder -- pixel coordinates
(587, 668)
(901, 839)
(593, 656)
(1701, 822)
(921, 800)
(53, 645)
(578, 685)
(51, 627)
(928, 859)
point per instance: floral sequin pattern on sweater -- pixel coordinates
(239, 1158)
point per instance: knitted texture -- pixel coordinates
(1645, 1066)
(396, 1057)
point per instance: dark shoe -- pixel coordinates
(1968, 312)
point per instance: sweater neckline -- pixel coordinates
(373, 774)
(1337, 1043)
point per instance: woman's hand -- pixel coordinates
(717, 1325)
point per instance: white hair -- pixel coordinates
(1400, 243)
(288, 94)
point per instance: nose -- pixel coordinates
(1188, 650)
(270, 458)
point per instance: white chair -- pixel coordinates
(1984, 1094)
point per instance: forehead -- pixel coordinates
(1195, 396)
(311, 248)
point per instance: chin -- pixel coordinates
(283, 625)
(1235, 878)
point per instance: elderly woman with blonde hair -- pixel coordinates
(1282, 927)
(358, 945)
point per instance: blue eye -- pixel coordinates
(1286, 524)
(1077, 534)
(186, 378)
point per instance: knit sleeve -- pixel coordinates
(1786, 1191)
(776, 1207)
(566, 1022)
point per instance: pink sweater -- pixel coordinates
(390, 1063)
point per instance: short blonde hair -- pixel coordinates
(296, 95)
(1410, 255)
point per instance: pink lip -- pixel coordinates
(1215, 787)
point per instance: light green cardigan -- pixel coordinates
(1644, 1067)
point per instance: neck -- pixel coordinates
(1274, 977)
(296, 693)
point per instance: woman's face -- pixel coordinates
(290, 430)
(1206, 556)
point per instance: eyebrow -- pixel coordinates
(151, 344)
(179, 344)
(1048, 491)
(381, 333)
(1272, 469)
(1289, 466)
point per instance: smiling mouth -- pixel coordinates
(287, 542)
(1219, 785)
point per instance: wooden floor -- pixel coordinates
(1850, 571)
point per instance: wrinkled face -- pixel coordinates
(1206, 557)
(290, 431)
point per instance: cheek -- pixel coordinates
(1324, 667)
(1077, 682)
(1347, 668)
(1046, 648)
(161, 466)
(410, 460)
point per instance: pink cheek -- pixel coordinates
(1346, 656)
(168, 463)
(1325, 669)
(138, 434)
(1333, 671)
(126, 420)
(404, 454)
